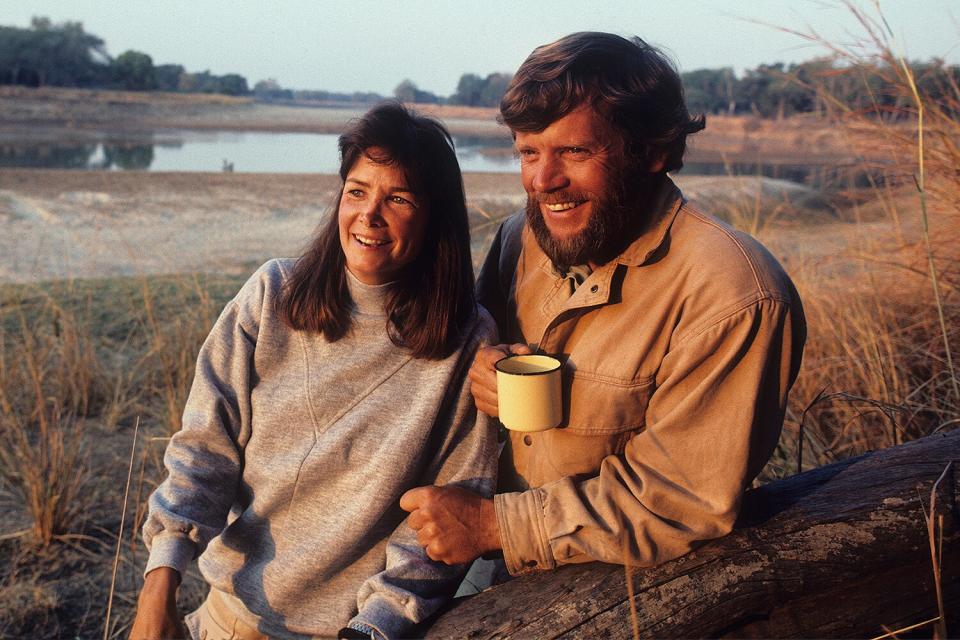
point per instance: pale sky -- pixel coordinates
(368, 45)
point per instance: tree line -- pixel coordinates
(64, 54)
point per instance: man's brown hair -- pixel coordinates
(628, 81)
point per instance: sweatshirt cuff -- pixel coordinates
(172, 551)
(523, 533)
(382, 619)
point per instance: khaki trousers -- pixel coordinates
(215, 621)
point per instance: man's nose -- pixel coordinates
(549, 175)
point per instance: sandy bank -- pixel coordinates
(82, 224)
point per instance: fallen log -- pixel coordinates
(839, 551)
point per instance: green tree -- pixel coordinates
(494, 86)
(468, 90)
(134, 71)
(168, 76)
(49, 54)
(407, 91)
(233, 84)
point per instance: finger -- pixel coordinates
(416, 520)
(413, 498)
(520, 349)
(492, 409)
(423, 539)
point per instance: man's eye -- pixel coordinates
(578, 150)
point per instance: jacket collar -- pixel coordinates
(665, 204)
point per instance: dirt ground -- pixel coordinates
(84, 224)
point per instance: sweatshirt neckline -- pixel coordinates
(368, 299)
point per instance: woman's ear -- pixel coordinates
(658, 163)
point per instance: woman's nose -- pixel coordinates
(370, 216)
(549, 175)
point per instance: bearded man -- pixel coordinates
(680, 336)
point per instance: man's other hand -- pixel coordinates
(483, 376)
(453, 525)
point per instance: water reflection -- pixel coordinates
(134, 157)
(47, 156)
(266, 152)
(257, 152)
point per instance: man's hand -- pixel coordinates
(483, 376)
(453, 525)
(157, 617)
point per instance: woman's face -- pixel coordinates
(382, 222)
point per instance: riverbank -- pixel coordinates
(63, 224)
(81, 113)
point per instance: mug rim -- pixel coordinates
(496, 365)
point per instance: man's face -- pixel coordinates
(572, 172)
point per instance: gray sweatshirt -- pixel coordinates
(292, 458)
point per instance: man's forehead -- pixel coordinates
(581, 125)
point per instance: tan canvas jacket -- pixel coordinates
(678, 358)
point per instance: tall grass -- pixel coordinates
(78, 354)
(884, 315)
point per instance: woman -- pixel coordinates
(326, 389)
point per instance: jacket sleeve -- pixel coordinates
(413, 587)
(204, 458)
(711, 425)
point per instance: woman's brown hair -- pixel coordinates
(430, 306)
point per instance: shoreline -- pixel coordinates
(84, 113)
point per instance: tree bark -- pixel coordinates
(839, 551)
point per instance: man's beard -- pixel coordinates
(610, 228)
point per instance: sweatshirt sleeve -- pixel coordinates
(413, 587)
(204, 459)
(712, 423)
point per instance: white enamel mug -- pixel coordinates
(528, 392)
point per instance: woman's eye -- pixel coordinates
(401, 200)
(355, 193)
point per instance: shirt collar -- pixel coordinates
(368, 299)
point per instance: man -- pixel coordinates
(681, 336)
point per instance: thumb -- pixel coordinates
(520, 350)
(410, 501)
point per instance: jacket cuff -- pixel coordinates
(382, 619)
(523, 533)
(172, 551)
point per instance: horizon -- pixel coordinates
(260, 44)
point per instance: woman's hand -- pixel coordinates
(483, 377)
(157, 617)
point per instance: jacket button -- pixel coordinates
(594, 289)
(527, 440)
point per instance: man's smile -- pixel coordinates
(563, 206)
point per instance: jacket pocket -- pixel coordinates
(597, 405)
